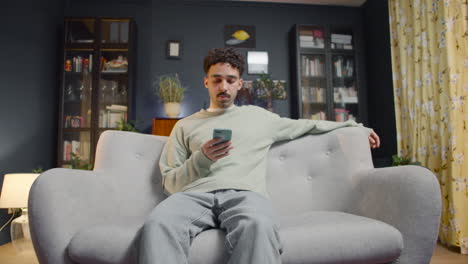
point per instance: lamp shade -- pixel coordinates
(15, 189)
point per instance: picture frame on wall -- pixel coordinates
(239, 36)
(257, 62)
(174, 49)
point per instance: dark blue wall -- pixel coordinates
(199, 25)
(379, 79)
(28, 88)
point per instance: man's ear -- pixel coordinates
(205, 81)
(241, 83)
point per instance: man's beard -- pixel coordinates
(223, 103)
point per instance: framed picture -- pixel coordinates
(173, 50)
(257, 62)
(238, 36)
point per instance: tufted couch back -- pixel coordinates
(314, 172)
(130, 162)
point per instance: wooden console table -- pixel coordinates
(163, 126)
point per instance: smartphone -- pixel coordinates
(225, 134)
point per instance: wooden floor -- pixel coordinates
(8, 255)
(441, 255)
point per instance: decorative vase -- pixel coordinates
(172, 109)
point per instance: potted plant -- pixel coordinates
(123, 125)
(400, 161)
(77, 163)
(267, 89)
(171, 92)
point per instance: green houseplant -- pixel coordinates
(77, 163)
(267, 89)
(123, 125)
(171, 92)
(400, 161)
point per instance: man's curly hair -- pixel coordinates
(228, 55)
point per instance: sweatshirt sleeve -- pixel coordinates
(179, 166)
(288, 129)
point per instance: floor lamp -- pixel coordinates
(14, 195)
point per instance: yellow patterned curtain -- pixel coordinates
(430, 79)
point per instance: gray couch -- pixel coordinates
(334, 206)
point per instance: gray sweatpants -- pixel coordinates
(247, 218)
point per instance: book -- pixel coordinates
(114, 32)
(317, 33)
(319, 116)
(338, 70)
(124, 32)
(305, 32)
(85, 150)
(75, 147)
(306, 38)
(341, 41)
(102, 119)
(113, 118)
(305, 95)
(345, 95)
(118, 108)
(308, 44)
(305, 66)
(90, 65)
(66, 150)
(340, 38)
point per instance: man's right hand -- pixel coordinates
(218, 151)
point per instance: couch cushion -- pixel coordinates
(105, 245)
(335, 237)
(315, 237)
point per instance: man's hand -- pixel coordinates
(215, 152)
(374, 140)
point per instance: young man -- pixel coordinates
(222, 185)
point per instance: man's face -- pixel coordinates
(223, 83)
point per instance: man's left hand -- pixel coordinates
(374, 140)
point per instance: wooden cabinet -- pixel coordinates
(96, 84)
(326, 80)
(163, 126)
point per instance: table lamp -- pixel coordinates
(15, 193)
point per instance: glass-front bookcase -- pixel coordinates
(96, 84)
(325, 83)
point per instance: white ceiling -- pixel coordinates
(315, 2)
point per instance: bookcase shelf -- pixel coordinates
(96, 83)
(326, 82)
(311, 51)
(314, 78)
(76, 129)
(80, 47)
(342, 52)
(314, 103)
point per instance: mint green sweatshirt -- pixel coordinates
(185, 167)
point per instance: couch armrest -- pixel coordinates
(406, 197)
(63, 201)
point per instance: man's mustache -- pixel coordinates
(220, 94)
